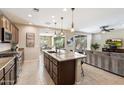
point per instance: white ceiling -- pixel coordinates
(85, 19)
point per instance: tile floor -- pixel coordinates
(33, 73)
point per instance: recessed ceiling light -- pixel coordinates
(53, 16)
(36, 9)
(65, 9)
(29, 15)
(54, 21)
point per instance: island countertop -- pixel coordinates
(65, 55)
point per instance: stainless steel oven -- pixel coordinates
(6, 36)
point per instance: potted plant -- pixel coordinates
(13, 46)
(95, 46)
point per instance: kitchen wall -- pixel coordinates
(33, 52)
(101, 38)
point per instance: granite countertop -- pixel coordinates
(10, 53)
(64, 55)
(4, 61)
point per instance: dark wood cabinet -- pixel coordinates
(7, 78)
(51, 69)
(8, 74)
(62, 73)
(10, 27)
(1, 77)
(2, 81)
(15, 34)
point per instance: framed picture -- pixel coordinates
(30, 39)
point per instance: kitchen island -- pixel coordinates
(63, 67)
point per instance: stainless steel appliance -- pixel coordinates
(6, 36)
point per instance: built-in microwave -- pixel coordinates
(6, 36)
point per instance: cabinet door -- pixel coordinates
(96, 59)
(121, 66)
(51, 68)
(93, 59)
(1, 77)
(2, 81)
(1, 74)
(47, 64)
(13, 34)
(55, 79)
(114, 64)
(7, 78)
(55, 70)
(16, 35)
(4, 22)
(12, 75)
(45, 59)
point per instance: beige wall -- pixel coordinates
(33, 53)
(30, 53)
(101, 38)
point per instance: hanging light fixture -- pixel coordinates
(61, 33)
(55, 29)
(72, 25)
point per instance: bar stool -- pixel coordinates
(82, 70)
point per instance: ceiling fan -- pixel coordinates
(106, 28)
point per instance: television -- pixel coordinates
(116, 42)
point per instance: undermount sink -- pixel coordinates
(51, 51)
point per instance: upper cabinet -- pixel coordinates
(5, 23)
(15, 34)
(9, 27)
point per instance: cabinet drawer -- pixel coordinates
(50, 58)
(55, 62)
(55, 78)
(9, 66)
(1, 74)
(55, 69)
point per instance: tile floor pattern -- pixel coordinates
(33, 73)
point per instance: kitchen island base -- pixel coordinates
(63, 72)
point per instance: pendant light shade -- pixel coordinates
(55, 30)
(72, 25)
(61, 33)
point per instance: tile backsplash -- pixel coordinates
(4, 46)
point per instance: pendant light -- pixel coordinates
(61, 33)
(55, 34)
(72, 25)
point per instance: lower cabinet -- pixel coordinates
(62, 73)
(2, 81)
(1, 77)
(9, 74)
(117, 65)
(7, 78)
(112, 62)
